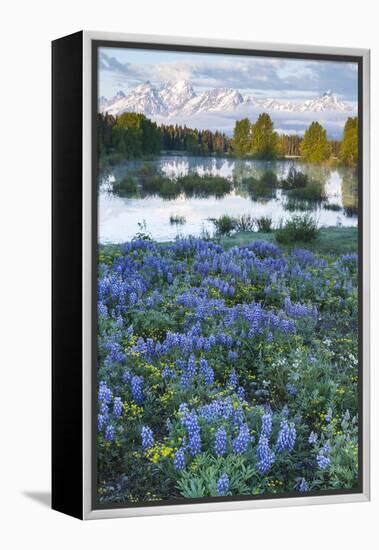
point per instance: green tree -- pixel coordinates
(264, 140)
(349, 146)
(315, 146)
(191, 143)
(151, 137)
(242, 137)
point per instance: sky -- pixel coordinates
(287, 79)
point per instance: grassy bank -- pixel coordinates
(336, 240)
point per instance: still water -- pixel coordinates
(119, 217)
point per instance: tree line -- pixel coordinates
(194, 141)
(259, 139)
(133, 135)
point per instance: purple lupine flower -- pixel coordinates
(220, 442)
(241, 442)
(265, 456)
(147, 437)
(190, 422)
(109, 432)
(233, 381)
(117, 407)
(266, 428)
(286, 437)
(179, 460)
(223, 485)
(136, 386)
(312, 438)
(322, 461)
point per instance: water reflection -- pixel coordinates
(119, 216)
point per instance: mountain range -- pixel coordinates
(180, 99)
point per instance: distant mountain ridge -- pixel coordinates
(180, 99)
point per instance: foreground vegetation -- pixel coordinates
(227, 368)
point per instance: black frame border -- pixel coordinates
(358, 59)
(67, 271)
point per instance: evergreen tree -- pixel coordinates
(242, 137)
(349, 146)
(315, 146)
(151, 137)
(264, 140)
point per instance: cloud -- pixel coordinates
(121, 72)
(274, 77)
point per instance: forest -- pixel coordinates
(133, 136)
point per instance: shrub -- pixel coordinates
(264, 224)
(258, 187)
(126, 186)
(193, 184)
(294, 180)
(168, 188)
(151, 184)
(313, 191)
(175, 219)
(245, 222)
(224, 224)
(146, 170)
(269, 178)
(298, 228)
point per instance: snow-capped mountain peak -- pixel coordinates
(180, 99)
(120, 94)
(328, 101)
(175, 94)
(144, 98)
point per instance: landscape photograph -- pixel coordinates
(227, 276)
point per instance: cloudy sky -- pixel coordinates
(121, 68)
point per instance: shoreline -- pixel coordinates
(331, 239)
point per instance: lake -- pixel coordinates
(119, 217)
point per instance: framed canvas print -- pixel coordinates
(210, 275)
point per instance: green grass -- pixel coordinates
(339, 240)
(331, 240)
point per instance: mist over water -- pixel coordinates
(119, 217)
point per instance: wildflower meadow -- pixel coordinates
(225, 371)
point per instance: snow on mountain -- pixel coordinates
(327, 102)
(270, 104)
(219, 99)
(180, 99)
(144, 98)
(176, 95)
